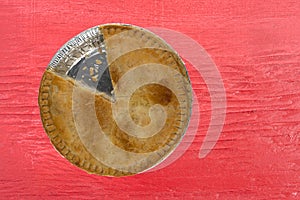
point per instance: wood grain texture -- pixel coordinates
(256, 47)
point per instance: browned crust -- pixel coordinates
(166, 57)
(170, 132)
(112, 29)
(66, 142)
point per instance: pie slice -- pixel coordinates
(115, 100)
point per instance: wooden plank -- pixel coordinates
(256, 48)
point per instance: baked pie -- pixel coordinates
(115, 100)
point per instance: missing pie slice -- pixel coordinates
(115, 100)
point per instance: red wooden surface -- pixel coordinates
(255, 45)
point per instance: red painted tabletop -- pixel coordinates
(255, 46)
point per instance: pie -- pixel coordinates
(115, 100)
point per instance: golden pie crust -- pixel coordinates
(81, 124)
